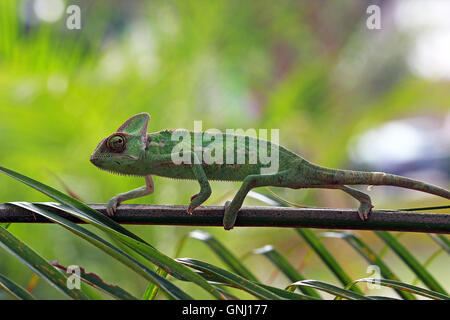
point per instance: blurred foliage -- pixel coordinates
(310, 68)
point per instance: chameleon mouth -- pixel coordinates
(96, 161)
(93, 158)
(120, 173)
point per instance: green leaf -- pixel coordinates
(405, 287)
(319, 285)
(370, 256)
(326, 257)
(219, 280)
(89, 215)
(152, 290)
(38, 264)
(441, 240)
(168, 264)
(138, 267)
(14, 289)
(229, 277)
(223, 253)
(427, 262)
(285, 267)
(315, 243)
(382, 298)
(226, 294)
(288, 294)
(411, 262)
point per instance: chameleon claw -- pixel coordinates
(111, 207)
(191, 208)
(194, 204)
(109, 212)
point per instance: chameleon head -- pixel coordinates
(122, 150)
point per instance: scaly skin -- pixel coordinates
(133, 151)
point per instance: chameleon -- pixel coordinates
(132, 151)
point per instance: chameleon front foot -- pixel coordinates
(198, 199)
(112, 205)
(191, 208)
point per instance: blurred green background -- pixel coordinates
(341, 94)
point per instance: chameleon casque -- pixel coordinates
(133, 151)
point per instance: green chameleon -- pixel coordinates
(133, 151)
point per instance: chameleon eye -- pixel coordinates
(116, 143)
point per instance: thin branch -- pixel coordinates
(323, 218)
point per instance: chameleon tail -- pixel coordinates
(349, 177)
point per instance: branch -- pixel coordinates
(323, 218)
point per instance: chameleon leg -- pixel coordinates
(250, 182)
(198, 173)
(365, 205)
(205, 188)
(111, 207)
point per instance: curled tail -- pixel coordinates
(349, 177)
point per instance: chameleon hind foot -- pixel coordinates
(228, 218)
(364, 209)
(251, 181)
(365, 204)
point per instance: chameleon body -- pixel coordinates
(133, 151)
